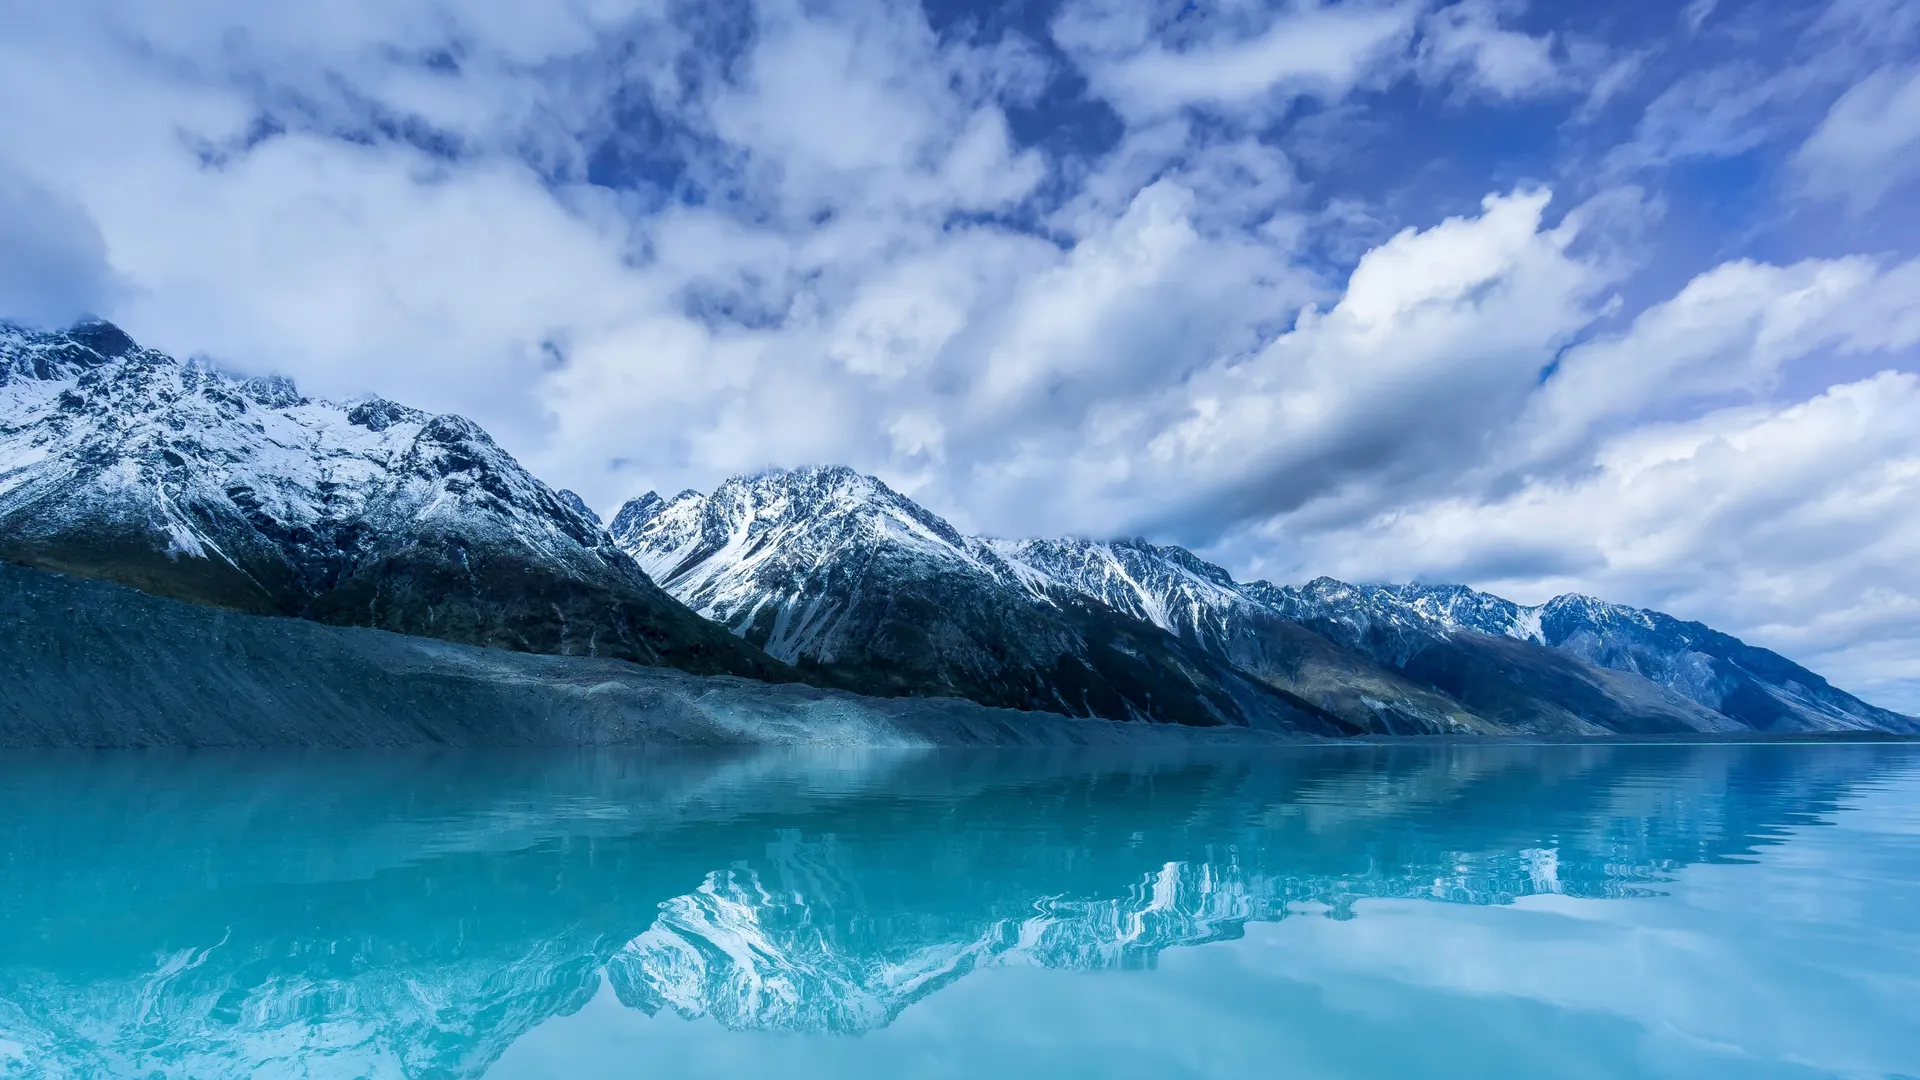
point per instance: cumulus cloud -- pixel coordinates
(1729, 331)
(1792, 524)
(1438, 333)
(397, 198)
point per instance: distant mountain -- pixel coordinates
(825, 567)
(124, 463)
(1499, 684)
(837, 573)
(1756, 688)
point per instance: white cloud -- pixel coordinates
(1467, 39)
(1869, 143)
(1609, 76)
(1312, 49)
(1720, 112)
(1737, 104)
(1069, 321)
(1439, 333)
(1729, 331)
(1794, 524)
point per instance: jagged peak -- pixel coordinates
(1580, 600)
(578, 505)
(1324, 585)
(102, 337)
(634, 514)
(1130, 555)
(821, 491)
(1185, 559)
(273, 391)
(64, 354)
(1432, 588)
(810, 479)
(1592, 609)
(452, 429)
(379, 414)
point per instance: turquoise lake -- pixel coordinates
(1439, 911)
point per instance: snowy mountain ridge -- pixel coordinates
(824, 566)
(174, 477)
(759, 551)
(172, 433)
(752, 545)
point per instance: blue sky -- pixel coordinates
(1617, 298)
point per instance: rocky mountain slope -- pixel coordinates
(92, 664)
(821, 565)
(124, 463)
(1757, 687)
(835, 572)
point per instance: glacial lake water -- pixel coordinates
(1445, 911)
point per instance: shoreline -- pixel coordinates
(91, 665)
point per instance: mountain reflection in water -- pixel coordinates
(209, 915)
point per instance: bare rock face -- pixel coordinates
(124, 463)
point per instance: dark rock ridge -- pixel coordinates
(124, 463)
(94, 664)
(825, 567)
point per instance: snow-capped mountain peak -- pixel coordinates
(177, 477)
(1169, 587)
(760, 541)
(789, 551)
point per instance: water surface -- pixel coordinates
(1450, 911)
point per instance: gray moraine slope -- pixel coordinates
(90, 664)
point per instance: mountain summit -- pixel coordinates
(836, 572)
(124, 463)
(823, 566)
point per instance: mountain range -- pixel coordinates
(171, 476)
(829, 568)
(124, 463)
